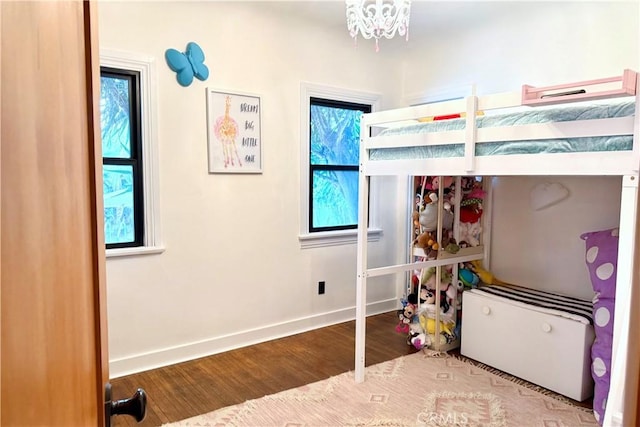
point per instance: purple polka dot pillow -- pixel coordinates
(602, 257)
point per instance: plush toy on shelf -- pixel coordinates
(428, 243)
(429, 278)
(470, 233)
(447, 183)
(449, 244)
(471, 206)
(428, 216)
(471, 203)
(416, 224)
(448, 191)
(426, 295)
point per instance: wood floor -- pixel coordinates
(200, 386)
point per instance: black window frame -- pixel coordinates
(333, 103)
(135, 159)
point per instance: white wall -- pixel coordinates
(233, 263)
(542, 249)
(537, 43)
(233, 271)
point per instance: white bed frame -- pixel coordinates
(624, 163)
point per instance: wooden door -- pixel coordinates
(53, 324)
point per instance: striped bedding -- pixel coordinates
(546, 302)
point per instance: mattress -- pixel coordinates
(562, 114)
(546, 302)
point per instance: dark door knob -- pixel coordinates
(135, 406)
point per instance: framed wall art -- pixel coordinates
(234, 132)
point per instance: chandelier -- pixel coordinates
(378, 18)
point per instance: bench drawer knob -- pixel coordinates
(486, 309)
(546, 327)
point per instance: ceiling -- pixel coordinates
(427, 17)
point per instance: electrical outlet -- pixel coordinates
(321, 287)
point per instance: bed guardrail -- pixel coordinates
(587, 90)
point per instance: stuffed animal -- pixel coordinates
(448, 190)
(417, 337)
(470, 233)
(468, 278)
(445, 302)
(419, 340)
(429, 278)
(450, 294)
(406, 317)
(407, 313)
(428, 216)
(447, 295)
(427, 242)
(486, 276)
(416, 224)
(426, 296)
(470, 213)
(418, 201)
(447, 181)
(477, 193)
(449, 245)
(402, 328)
(471, 205)
(429, 325)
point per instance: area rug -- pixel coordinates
(414, 390)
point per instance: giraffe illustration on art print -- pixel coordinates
(226, 130)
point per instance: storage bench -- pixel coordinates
(538, 336)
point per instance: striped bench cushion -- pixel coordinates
(543, 301)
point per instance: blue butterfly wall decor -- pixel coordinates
(187, 65)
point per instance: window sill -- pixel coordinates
(142, 250)
(333, 238)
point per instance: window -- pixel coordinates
(334, 140)
(121, 157)
(330, 138)
(127, 111)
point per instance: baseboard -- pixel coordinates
(182, 353)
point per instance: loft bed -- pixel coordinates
(567, 129)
